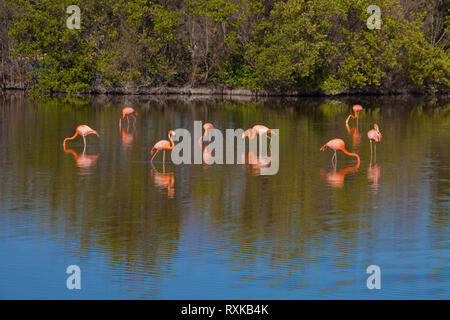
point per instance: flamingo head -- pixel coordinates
(172, 133)
(357, 108)
(208, 126)
(375, 126)
(94, 132)
(245, 133)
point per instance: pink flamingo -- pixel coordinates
(207, 154)
(163, 145)
(338, 144)
(357, 109)
(207, 126)
(83, 131)
(257, 129)
(127, 111)
(374, 135)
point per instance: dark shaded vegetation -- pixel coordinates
(321, 46)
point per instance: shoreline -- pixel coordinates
(134, 90)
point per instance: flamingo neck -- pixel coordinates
(348, 119)
(200, 140)
(171, 141)
(75, 155)
(353, 155)
(71, 138)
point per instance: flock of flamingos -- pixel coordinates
(374, 135)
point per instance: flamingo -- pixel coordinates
(338, 144)
(127, 111)
(207, 126)
(357, 109)
(83, 131)
(374, 135)
(257, 129)
(207, 154)
(163, 145)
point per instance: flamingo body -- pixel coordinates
(127, 111)
(374, 134)
(82, 130)
(338, 144)
(163, 145)
(207, 126)
(356, 109)
(256, 130)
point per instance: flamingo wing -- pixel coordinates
(161, 145)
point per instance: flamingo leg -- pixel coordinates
(334, 159)
(134, 122)
(84, 139)
(375, 153)
(128, 120)
(154, 155)
(164, 156)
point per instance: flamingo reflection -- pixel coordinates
(258, 163)
(373, 175)
(354, 133)
(336, 178)
(164, 180)
(127, 138)
(83, 161)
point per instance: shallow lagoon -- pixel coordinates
(224, 231)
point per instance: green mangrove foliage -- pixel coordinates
(320, 45)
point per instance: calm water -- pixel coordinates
(224, 231)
